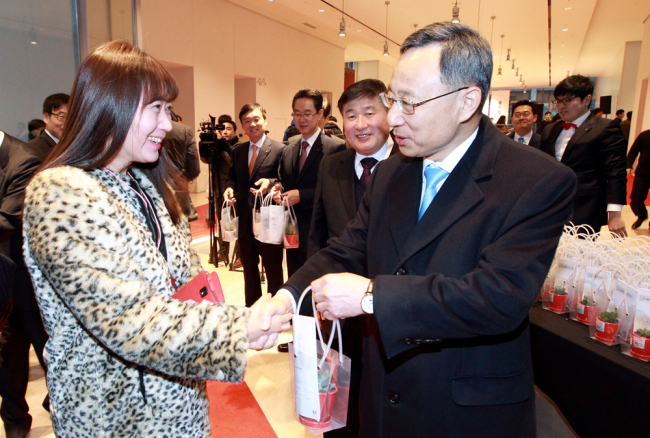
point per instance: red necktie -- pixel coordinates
(569, 125)
(303, 156)
(367, 164)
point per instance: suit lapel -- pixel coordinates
(313, 153)
(345, 177)
(549, 146)
(404, 202)
(580, 132)
(261, 156)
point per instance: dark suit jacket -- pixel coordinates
(534, 140)
(334, 201)
(596, 153)
(305, 181)
(182, 149)
(447, 351)
(17, 166)
(641, 146)
(40, 146)
(266, 166)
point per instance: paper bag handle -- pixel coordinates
(336, 326)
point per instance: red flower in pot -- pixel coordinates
(641, 344)
(607, 326)
(327, 392)
(587, 313)
(557, 299)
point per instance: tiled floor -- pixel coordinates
(268, 371)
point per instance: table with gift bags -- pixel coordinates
(589, 333)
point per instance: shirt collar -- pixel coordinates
(580, 120)
(56, 140)
(525, 137)
(451, 160)
(260, 142)
(311, 140)
(380, 155)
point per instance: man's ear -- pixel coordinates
(535, 118)
(471, 100)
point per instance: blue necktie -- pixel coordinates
(433, 176)
(521, 140)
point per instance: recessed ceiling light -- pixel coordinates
(566, 29)
(567, 9)
(321, 10)
(358, 30)
(561, 56)
(563, 45)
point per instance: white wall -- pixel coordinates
(374, 70)
(628, 77)
(640, 124)
(221, 40)
(609, 82)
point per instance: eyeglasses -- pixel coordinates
(408, 107)
(60, 116)
(564, 101)
(524, 114)
(304, 116)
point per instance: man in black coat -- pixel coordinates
(446, 256)
(254, 167)
(594, 148)
(298, 171)
(24, 326)
(641, 185)
(181, 146)
(523, 119)
(55, 112)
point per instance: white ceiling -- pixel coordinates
(597, 30)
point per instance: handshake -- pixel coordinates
(269, 316)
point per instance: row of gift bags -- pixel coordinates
(275, 223)
(604, 282)
(272, 223)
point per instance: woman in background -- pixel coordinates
(106, 245)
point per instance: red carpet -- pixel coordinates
(630, 180)
(234, 412)
(199, 227)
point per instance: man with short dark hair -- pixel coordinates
(55, 111)
(254, 167)
(597, 112)
(619, 116)
(625, 125)
(595, 149)
(523, 119)
(446, 256)
(298, 171)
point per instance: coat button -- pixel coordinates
(417, 341)
(400, 271)
(394, 398)
(408, 341)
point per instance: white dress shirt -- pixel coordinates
(259, 144)
(380, 155)
(311, 140)
(526, 137)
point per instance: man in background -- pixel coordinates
(619, 116)
(24, 327)
(641, 173)
(55, 112)
(594, 148)
(523, 119)
(625, 125)
(181, 146)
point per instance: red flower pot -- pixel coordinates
(557, 302)
(640, 347)
(606, 331)
(587, 314)
(291, 241)
(326, 406)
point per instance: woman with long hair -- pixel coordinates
(107, 246)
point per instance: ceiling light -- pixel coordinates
(521, 78)
(563, 45)
(342, 29)
(513, 65)
(500, 56)
(517, 73)
(386, 48)
(508, 56)
(566, 29)
(455, 11)
(499, 73)
(567, 9)
(321, 10)
(386, 34)
(32, 36)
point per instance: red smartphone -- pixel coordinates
(203, 287)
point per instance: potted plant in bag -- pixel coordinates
(557, 299)
(290, 236)
(640, 347)
(327, 391)
(607, 326)
(586, 312)
(229, 231)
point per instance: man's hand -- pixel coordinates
(616, 223)
(278, 306)
(339, 295)
(262, 329)
(292, 197)
(229, 196)
(263, 184)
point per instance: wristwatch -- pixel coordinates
(366, 301)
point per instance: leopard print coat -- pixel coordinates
(124, 359)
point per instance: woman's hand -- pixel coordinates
(258, 338)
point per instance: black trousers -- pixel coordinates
(250, 250)
(24, 328)
(638, 196)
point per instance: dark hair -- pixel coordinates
(251, 107)
(576, 85)
(309, 93)
(223, 118)
(502, 120)
(230, 122)
(548, 112)
(621, 112)
(35, 124)
(327, 108)
(371, 88)
(465, 56)
(629, 115)
(333, 119)
(54, 102)
(522, 103)
(556, 117)
(110, 85)
(597, 110)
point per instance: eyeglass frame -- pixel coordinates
(305, 116)
(59, 115)
(566, 101)
(400, 101)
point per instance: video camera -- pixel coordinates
(210, 146)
